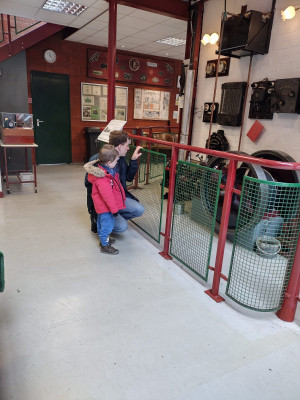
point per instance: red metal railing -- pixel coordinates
(288, 310)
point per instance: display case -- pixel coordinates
(16, 128)
(24, 120)
(7, 120)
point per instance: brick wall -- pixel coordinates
(72, 60)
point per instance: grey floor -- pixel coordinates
(77, 324)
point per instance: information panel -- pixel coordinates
(94, 102)
(151, 104)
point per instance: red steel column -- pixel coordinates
(112, 37)
(288, 310)
(214, 292)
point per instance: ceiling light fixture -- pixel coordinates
(65, 7)
(214, 37)
(211, 39)
(172, 41)
(289, 12)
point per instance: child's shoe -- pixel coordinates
(111, 240)
(108, 249)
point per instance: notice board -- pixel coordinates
(151, 104)
(94, 102)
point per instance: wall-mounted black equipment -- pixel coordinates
(208, 109)
(232, 100)
(218, 141)
(286, 97)
(261, 100)
(211, 67)
(246, 34)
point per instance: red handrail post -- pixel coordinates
(167, 237)
(139, 132)
(288, 309)
(214, 291)
(139, 143)
(148, 157)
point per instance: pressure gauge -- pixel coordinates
(210, 68)
(222, 66)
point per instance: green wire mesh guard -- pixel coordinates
(265, 242)
(1, 29)
(151, 178)
(194, 215)
(2, 284)
(151, 181)
(22, 24)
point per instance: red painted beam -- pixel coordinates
(28, 40)
(171, 8)
(112, 37)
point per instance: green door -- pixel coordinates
(51, 115)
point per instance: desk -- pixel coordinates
(24, 146)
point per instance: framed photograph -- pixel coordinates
(86, 113)
(120, 114)
(88, 100)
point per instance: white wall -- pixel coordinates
(282, 61)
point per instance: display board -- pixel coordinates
(132, 69)
(151, 104)
(94, 102)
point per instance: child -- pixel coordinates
(107, 193)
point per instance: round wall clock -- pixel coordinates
(50, 56)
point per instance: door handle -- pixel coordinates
(38, 121)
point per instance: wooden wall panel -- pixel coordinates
(72, 61)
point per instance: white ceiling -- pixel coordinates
(137, 30)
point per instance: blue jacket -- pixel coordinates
(126, 174)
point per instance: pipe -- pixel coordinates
(245, 102)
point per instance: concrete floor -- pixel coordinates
(77, 324)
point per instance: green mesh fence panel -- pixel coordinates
(1, 272)
(194, 214)
(149, 191)
(1, 30)
(265, 243)
(23, 24)
(151, 177)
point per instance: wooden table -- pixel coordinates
(5, 173)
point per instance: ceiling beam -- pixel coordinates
(171, 8)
